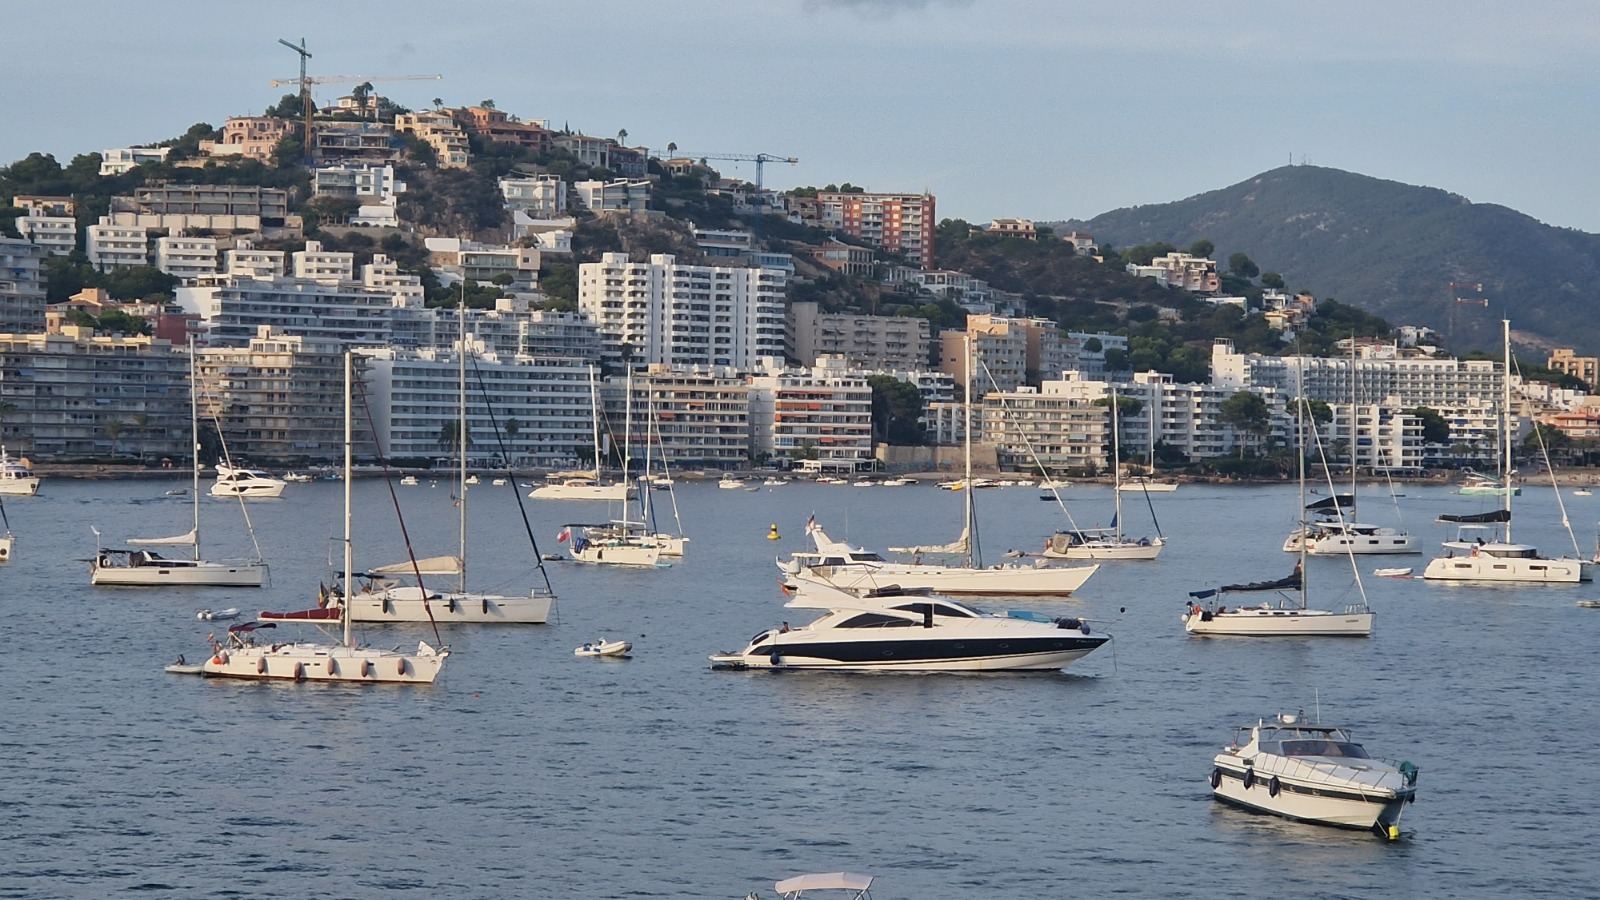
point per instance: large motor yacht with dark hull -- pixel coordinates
(899, 630)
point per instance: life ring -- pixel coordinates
(1216, 778)
(1249, 778)
(1273, 787)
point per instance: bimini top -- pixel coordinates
(825, 881)
(1483, 518)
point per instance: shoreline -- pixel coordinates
(1564, 478)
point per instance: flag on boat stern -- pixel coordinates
(565, 534)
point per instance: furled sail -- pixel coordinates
(958, 547)
(1290, 582)
(433, 565)
(1328, 504)
(177, 539)
(1483, 518)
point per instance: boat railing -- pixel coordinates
(1331, 773)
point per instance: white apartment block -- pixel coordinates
(663, 312)
(64, 389)
(360, 181)
(56, 235)
(325, 266)
(117, 160)
(871, 342)
(278, 398)
(540, 196)
(688, 417)
(620, 196)
(511, 329)
(116, 246)
(1191, 273)
(187, 258)
(482, 262)
(824, 410)
(1381, 438)
(245, 261)
(1408, 381)
(384, 275)
(590, 151)
(415, 395)
(22, 287)
(292, 307)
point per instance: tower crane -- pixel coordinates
(760, 159)
(306, 81)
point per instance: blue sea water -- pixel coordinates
(528, 772)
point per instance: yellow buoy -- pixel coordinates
(1394, 832)
(772, 533)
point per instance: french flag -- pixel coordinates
(564, 536)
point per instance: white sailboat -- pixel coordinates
(147, 568)
(672, 544)
(1291, 615)
(583, 485)
(385, 600)
(1331, 534)
(1472, 558)
(344, 660)
(1108, 542)
(1147, 484)
(620, 542)
(843, 567)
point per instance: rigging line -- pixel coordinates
(666, 468)
(511, 476)
(222, 442)
(3, 516)
(1544, 451)
(1028, 445)
(388, 481)
(1338, 508)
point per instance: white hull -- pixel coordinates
(1360, 544)
(797, 659)
(1109, 550)
(5, 549)
(1157, 487)
(619, 554)
(1309, 794)
(400, 605)
(325, 662)
(607, 492)
(25, 486)
(1006, 581)
(670, 544)
(247, 491)
(1501, 570)
(1275, 622)
(181, 573)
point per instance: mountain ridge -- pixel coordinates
(1391, 248)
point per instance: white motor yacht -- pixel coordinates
(853, 568)
(16, 476)
(251, 484)
(729, 483)
(911, 631)
(1313, 773)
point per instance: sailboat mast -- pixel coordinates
(1116, 467)
(349, 453)
(461, 432)
(1300, 458)
(594, 421)
(1353, 457)
(194, 445)
(1505, 425)
(627, 441)
(966, 432)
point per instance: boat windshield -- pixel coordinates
(1324, 748)
(939, 609)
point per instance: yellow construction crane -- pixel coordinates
(306, 81)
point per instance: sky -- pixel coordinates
(1041, 109)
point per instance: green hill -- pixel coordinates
(1392, 249)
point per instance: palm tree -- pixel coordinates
(672, 147)
(512, 427)
(113, 430)
(437, 103)
(142, 422)
(622, 137)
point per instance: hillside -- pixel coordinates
(1392, 249)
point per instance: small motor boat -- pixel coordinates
(1589, 604)
(603, 647)
(217, 615)
(1392, 573)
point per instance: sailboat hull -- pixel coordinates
(397, 607)
(324, 662)
(1487, 569)
(1006, 581)
(619, 554)
(1108, 550)
(1360, 544)
(1278, 622)
(180, 573)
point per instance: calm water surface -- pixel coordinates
(527, 772)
